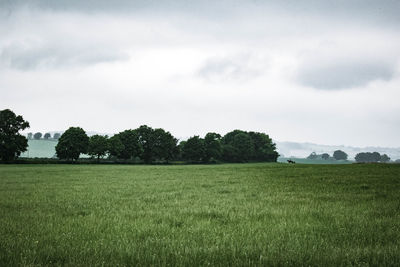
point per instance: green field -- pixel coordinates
(315, 161)
(230, 214)
(40, 149)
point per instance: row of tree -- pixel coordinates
(142, 144)
(337, 155)
(371, 157)
(360, 157)
(46, 136)
(157, 145)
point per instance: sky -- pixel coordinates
(325, 72)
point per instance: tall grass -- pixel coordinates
(239, 214)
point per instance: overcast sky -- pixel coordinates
(325, 72)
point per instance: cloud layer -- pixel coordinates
(300, 71)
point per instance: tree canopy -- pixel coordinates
(12, 143)
(37, 135)
(325, 156)
(193, 149)
(72, 143)
(340, 155)
(143, 144)
(98, 146)
(368, 157)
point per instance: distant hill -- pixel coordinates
(302, 150)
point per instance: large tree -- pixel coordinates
(385, 158)
(72, 143)
(340, 155)
(115, 146)
(264, 147)
(37, 135)
(12, 144)
(325, 156)
(165, 145)
(241, 146)
(368, 157)
(244, 146)
(212, 146)
(193, 149)
(147, 143)
(156, 144)
(98, 146)
(130, 145)
(313, 155)
(47, 136)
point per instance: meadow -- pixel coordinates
(196, 215)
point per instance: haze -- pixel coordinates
(317, 71)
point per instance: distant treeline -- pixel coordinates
(368, 157)
(143, 144)
(337, 155)
(362, 157)
(46, 136)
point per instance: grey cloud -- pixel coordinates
(24, 56)
(363, 10)
(344, 75)
(237, 68)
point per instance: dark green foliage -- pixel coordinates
(130, 145)
(12, 144)
(30, 136)
(72, 143)
(244, 146)
(47, 136)
(147, 143)
(229, 137)
(194, 149)
(115, 146)
(325, 156)
(156, 144)
(98, 146)
(340, 155)
(376, 157)
(212, 147)
(313, 155)
(229, 153)
(37, 135)
(264, 147)
(385, 158)
(241, 146)
(56, 136)
(371, 157)
(165, 145)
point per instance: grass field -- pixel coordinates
(315, 161)
(40, 149)
(240, 214)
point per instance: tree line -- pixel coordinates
(368, 157)
(46, 136)
(337, 155)
(149, 145)
(143, 144)
(362, 157)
